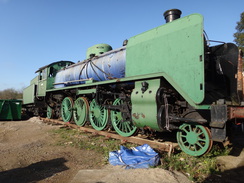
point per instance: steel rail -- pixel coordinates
(162, 146)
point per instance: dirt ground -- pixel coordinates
(29, 153)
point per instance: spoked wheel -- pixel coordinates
(194, 139)
(98, 115)
(66, 109)
(50, 112)
(80, 111)
(123, 128)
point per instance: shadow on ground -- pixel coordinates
(234, 172)
(229, 176)
(34, 172)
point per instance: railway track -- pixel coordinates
(162, 146)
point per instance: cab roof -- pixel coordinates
(61, 61)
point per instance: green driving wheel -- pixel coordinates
(194, 139)
(50, 112)
(123, 128)
(80, 111)
(98, 115)
(66, 109)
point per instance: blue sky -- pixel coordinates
(34, 33)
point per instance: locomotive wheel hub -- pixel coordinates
(96, 112)
(192, 137)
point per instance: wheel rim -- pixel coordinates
(66, 109)
(211, 141)
(194, 140)
(80, 111)
(49, 112)
(98, 116)
(123, 128)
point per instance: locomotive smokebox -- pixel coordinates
(171, 15)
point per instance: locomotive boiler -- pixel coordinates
(107, 66)
(166, 79)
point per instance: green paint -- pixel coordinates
(10, 109)
(80, 111)
(193, 139)
(47, 74)
(144, 104)
(49, 112)
(66, 109)
(29, 92)
(176, 50)
(98, 116)
(88, 91)
(97, 49)
(123, 128)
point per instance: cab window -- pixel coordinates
(52, 72)
(43, 74)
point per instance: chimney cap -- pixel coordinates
(172, 14)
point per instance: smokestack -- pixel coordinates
(171, 15)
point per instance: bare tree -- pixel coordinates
(11, 94)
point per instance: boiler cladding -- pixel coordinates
(109, 65)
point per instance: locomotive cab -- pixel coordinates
(47, 74)
(34, 95)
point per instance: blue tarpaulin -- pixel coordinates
(139, 157)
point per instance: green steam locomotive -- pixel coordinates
(165, 79)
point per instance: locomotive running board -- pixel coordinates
(167, 147)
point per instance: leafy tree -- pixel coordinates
(239, 35)
(11, 94)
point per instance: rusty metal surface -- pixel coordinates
(240, 80)
(163, 146)
(236, 112)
